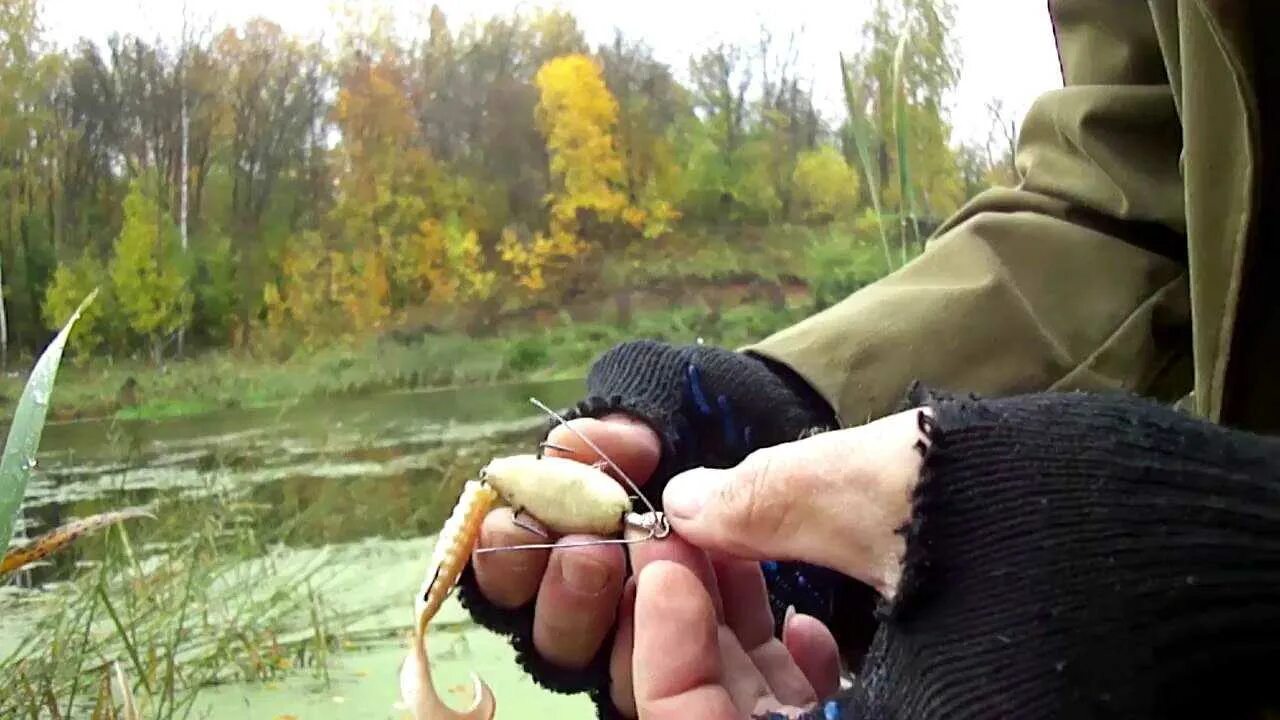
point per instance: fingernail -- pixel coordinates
(791, 612)
(688, 492)
(583, 574)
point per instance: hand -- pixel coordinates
(575, 591)
(578, 589)
(837, 499)
(699, 641)
(696, 639)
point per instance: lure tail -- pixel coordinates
(451, 553)
(419, 692)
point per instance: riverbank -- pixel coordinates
(218, 380)
(729, 288)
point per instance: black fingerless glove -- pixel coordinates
(1076, 556)
(710, 407)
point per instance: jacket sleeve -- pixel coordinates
(1073, 279)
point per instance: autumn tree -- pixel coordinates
(389, 183)
(275, 132)
(147, 271)
(27, 150)
(577, 115)
(88, 106)
(788, 121)
(826, 188)
(650, 104)
(71, 284)
(720, 78)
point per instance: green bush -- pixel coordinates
(527, 354)
(839, 264)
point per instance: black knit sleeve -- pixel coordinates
(710, 407)
(1076, 556)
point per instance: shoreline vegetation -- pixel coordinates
(714, 297)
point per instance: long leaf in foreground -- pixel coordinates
(19, 457)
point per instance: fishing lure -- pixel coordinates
(565, 496)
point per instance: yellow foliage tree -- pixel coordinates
(299, 305)
(147, 277)
(72, 283)
(449, 263)
(825, 186)
(406, 230)
(578, 116)
(359, 287)
(388, 184)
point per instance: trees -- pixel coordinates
(24, 125)
(147, 271)
(651, 104)
(333, 189)
(72, 282)
(826, 187)
(577, 115)
(274, 134)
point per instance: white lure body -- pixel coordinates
(565, 495)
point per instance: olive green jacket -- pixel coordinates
(1114, 264)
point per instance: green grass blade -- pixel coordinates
(124, 637)
(28, 422)
(861, 130)
(901, 131)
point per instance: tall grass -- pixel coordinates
(138, 637)
(216, 606)
(862, 133)
(907, 211)
(860, 128)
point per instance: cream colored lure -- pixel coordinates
(564, 495)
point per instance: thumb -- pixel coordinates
(837, 499)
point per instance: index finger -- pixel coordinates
(629, 443)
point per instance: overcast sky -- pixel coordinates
(1007, 45)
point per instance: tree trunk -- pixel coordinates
(182, 210)
(777, 295)
(622, 299)
(4, 323)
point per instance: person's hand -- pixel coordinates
(576, 590)
(696, 639)
(699, 641)
(838, 499)
(727, 402)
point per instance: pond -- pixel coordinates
(366, 479)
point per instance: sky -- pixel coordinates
(1006, 45)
